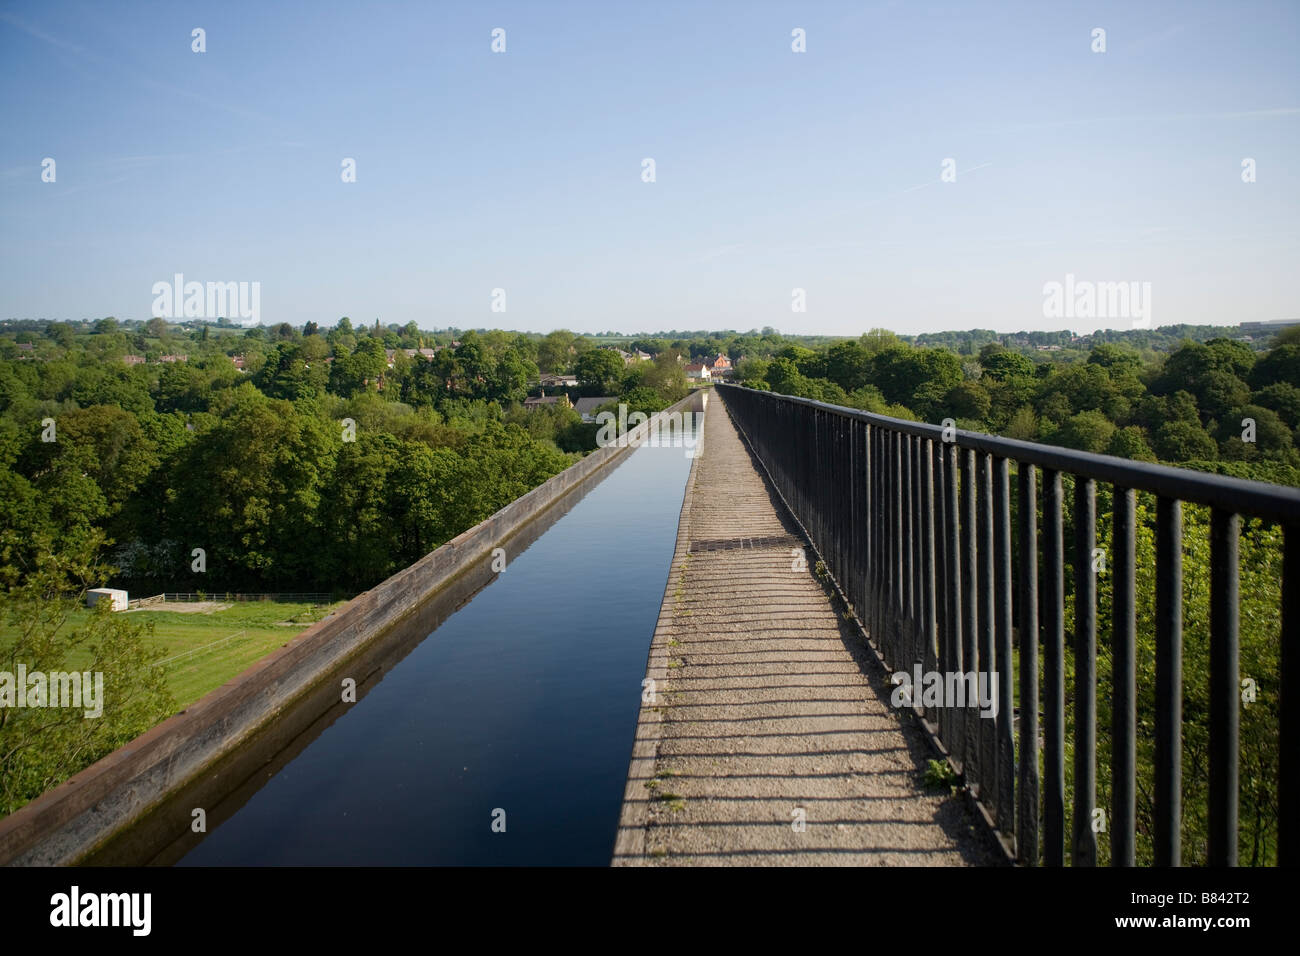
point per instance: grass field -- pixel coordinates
(202, 650)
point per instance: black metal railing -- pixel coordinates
(921, 531)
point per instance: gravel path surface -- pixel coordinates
(769, 711)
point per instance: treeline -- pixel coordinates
(1217, 404)
(325, 464)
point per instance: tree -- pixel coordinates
(666, 376)
(1219, 392)
(877, 340)
(510, 377)
(1283, 398)
(555, 352)
(248, 491)
(848, 364)
(1023, 425)
(40, 747)
(968, 400)
(1271, 436)
(287, 373)
(599, 371)
(1001, 364)
(1184, 441)
(359, 370)
(1130, 442)
(899, 371)
(110, 448)
(352, 513)
(1087, 431)
(784, 376)
(1115, 357)
(1282, 364)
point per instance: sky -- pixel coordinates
(774, 170)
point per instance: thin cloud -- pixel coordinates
(39, 34)
(1153, 118)
(912, 189)
(719, 252)
(138, 75)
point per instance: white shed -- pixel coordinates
(117, 598)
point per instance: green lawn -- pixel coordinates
(203, 650)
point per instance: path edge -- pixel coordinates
(634, 817)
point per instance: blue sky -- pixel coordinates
(775, 170)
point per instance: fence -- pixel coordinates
(915, 524)
(284, 597)
(195, 651)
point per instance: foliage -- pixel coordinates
(43, 746)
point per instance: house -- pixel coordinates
(238, 362)
(629, 358)
(133, 359)
(173, 358)
(586, 407)
(721, 363)
(538, 401)
(559, 381)
(697, 371)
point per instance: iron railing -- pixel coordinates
(914, 522)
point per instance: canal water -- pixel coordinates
(503, 736)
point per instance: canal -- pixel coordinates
(500, 737)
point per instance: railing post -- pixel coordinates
(987, 735)
(1006, 760)
(1123, 651)
(896, 552)
(1288, 786)
(1027, 812)
(970, 599)
(1053, 613)
(1169, 682)
(1084, 845)
(1225, 704)
(950, 650)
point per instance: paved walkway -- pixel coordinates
(768, 709)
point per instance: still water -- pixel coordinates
(524, 700)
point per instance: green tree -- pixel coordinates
(41, 747)
(599, 372)
(1184, 441)
(247, 493)
(1130, 442)
(1087, 431)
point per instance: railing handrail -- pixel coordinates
(1238, 495)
